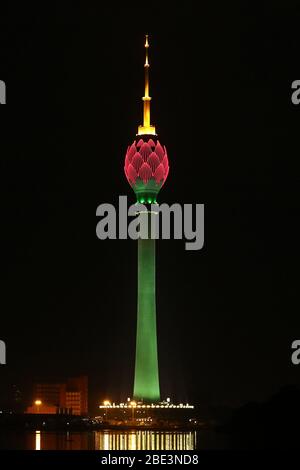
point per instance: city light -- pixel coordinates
(38, 402)
(38, 438)
(134, 404)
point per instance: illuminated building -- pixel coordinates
(77, 395)
(42, 408)
(149, 415)
(73, 402)
(52, 394)
(70, 397)
(146, 169)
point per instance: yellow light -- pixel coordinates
(38, 402)
(133, 403)
(37, 439)
(106, 403)
(146, 128)
(142, 130)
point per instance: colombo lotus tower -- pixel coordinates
(146, 169)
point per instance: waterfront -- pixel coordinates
(100, 440)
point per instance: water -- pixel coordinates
(100, 440)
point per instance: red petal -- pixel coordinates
(153, 161)
(145, 173)
(159, 151)
(165, 162)
(131, 152)
(145, 151)
(137, 161)
(131, 174)
(150, 142)
(159, 174)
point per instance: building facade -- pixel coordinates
(70, 397)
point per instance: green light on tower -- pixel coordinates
(146, 377)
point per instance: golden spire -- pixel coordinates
(146, 128)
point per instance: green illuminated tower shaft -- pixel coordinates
(146, 379)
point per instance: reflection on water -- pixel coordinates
(37, 440)
(112, 440)
(44, 440)
(145, 440)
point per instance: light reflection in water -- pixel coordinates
(106, 442)
(112, 440)
(145, 440)
(37, 440)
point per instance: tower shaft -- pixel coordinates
(146, 379)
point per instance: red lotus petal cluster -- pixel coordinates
(146, 160)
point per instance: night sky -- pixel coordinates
(220, 82)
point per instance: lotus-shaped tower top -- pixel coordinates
(146, 167)
(146, 161)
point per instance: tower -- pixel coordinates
(146, 169)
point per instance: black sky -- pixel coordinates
(220, 82)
